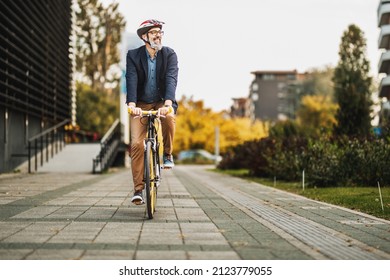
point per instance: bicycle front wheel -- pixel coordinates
(150, 186)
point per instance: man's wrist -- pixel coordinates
(168, 103)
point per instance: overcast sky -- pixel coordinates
(220, 42)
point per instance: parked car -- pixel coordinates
(197, 156)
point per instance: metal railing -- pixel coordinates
(109, 146)
(50, 141)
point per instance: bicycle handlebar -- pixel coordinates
(150, 112)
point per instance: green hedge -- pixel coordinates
(327, 162)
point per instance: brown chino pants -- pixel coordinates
(137, 136)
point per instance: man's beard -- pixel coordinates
(156, 46)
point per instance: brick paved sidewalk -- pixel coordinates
(82, 216)
(200, 215)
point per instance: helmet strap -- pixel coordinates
(146, 41)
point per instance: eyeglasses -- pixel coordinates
(155, 32)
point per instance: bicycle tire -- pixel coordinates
(150, 189)
(155, 177)
(157, 165)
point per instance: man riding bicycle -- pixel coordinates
(151, 80)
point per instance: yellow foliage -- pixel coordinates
(196, 126)
(236, 131)
(317, 113)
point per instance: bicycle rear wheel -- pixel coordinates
(150, 186)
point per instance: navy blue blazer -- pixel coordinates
(137, 71)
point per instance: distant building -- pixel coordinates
(275, 95)
(35, 73)
(241, 108)
(384, 62)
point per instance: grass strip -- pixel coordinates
(362, 199)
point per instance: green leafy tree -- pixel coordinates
(99, 31)
(96, 111)
(352, 85)
(98, 34)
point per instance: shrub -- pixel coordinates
(326, 161)
(365, 162)
(321, 163)
(285, 160)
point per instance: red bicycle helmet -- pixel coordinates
(147, 25)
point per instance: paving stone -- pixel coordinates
(65, 254)
(37, 212)
(98, 213)
(191, 214)
(161, 255)
(108, 255)
(184, 202)
(14, 254)
(207, 255)
(164, 202)
(119, 233)
(9, 228)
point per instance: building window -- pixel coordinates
(291, 77)
(268, 77)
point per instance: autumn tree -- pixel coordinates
(238, 130)
(352, 85)
(317, 114)
(98, 34)
(195, 127)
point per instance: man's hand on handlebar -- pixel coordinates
(138, 112)
(135, 111)
(163, 111)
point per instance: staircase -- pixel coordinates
(75, 158)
